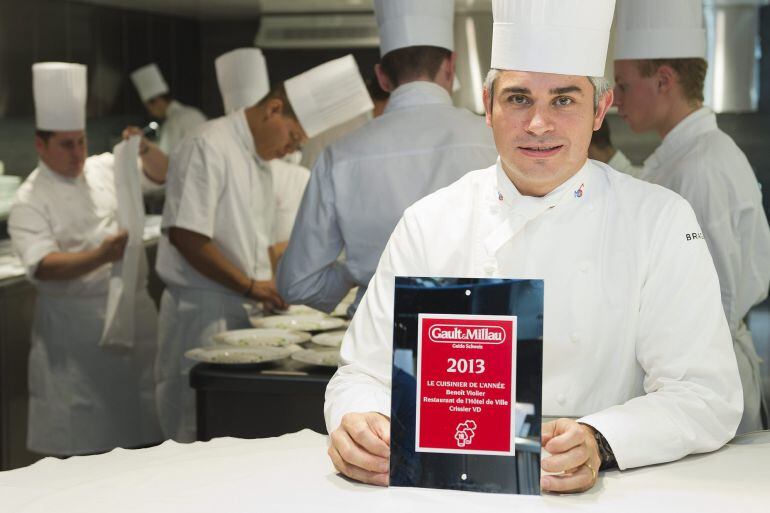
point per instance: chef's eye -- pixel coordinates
(563, 101)
(518, 99)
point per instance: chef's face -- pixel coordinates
(635, 96)
(64, 152)
(279, 135)
(542, 125)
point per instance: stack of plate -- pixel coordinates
(250, 346)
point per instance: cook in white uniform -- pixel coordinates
(178, 120)
(85, 396)
(635, 341)
(218, 220)
(243, 81)
(361, 184)
(603, 150)
(697, 160)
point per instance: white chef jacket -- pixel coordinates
(83, 398)
(635, 340)
(361, 185)
(705, 166)
(620, 162)
(289, 182)
(217, 186)
(181, 121)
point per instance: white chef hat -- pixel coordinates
(660, 29)
(405, 23)
(242, 77)
(567, 37)
(149, 82)
(60, 90)
(328, 95)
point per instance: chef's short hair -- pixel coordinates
(407, 64)
(691, 72)
(601, 86)
(165, 96)
(278, 92)
(45, 135)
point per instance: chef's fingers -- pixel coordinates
(353, 453)
(380, 424)
(358, 426)
(565, 461)
(566, 435)
(581, 480)
(546, 432)
(357, 473)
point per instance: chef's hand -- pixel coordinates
(267, 292)
(573, 451)
(144, 144)
(112, 247)
(360, 447)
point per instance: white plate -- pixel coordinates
(261, 337)
(298, 322)
(300, 310)
(238, 355)
(324, 357)
(329, 338)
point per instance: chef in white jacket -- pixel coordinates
(243, 81)
(177, 120)
(218, 220)
(86, 395)
(635, 342)
(660, 70)
(362, 183)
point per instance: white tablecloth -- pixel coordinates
(293, 473)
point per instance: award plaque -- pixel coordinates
(467, 384)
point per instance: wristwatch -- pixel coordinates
(605, 452)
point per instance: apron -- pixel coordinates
(85, 398)
(188, 318)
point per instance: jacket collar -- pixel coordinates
(60, 178)
(573, 188)
(173, 108)
(417, 93)
(681, 137)
(242, 131)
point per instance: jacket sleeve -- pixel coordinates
(31, 235)
(309, 272)
(363, 381)
(693, 398)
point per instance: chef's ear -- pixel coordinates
(605, 102)
(383, 79)
(666, 78)
(273, 107)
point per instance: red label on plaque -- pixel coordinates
(466, 384)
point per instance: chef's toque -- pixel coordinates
(59, 90)
(404, 23)
(328, 95)
(660, 29)
(567, 37)
(242, 78)
(149, 82)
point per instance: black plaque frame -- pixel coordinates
(519, 474)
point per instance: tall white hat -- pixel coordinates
(242, 77)
(405, 23)
(149, 82)
(328, 95)
(60, 90)
(660, 29)
(567, 37)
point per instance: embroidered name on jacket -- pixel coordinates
(693, 236)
